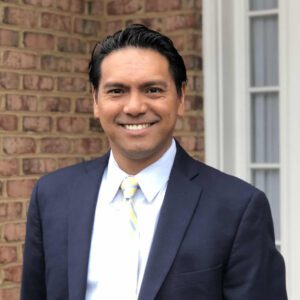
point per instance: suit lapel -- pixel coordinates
(82, 204)
(181, 199)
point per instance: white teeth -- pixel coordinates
(136, 126)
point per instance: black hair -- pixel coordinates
(139, 36)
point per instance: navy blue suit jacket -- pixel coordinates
(214, 239)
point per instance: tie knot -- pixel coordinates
(129, 187)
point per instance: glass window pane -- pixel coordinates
(264, 51)
(263, 4)
(265, 128)
(268, 181)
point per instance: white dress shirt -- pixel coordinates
(107, 277)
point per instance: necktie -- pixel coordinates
(129, 187)
(131, 251)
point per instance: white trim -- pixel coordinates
(264, 89)
(265, 166)
(263, 13)
(290, 150)
(241, 84)
(211, 52)
(223, 36)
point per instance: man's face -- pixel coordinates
(137, 105)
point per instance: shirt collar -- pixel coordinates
(151, 179)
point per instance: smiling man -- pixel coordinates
(146, 221)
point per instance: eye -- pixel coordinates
(115, 91)
(154, 90)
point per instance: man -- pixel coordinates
(189, 232)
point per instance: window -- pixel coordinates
(263, 93)
(252, 107)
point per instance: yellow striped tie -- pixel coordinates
(129, 187)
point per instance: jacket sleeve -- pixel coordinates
(255, 269)
(33, 277)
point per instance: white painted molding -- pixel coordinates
(211, 82)
(290, 141)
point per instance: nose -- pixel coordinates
(135, 104)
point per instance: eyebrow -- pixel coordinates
(144, 85)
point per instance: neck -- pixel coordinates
(135, 163)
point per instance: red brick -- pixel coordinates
(10, 1)
(9, 81)
(190, 124)
(113, 26)
(188, 21)
(12, 274)
(37, 124)
(194, 123)
(80, 65)
(56, 22)
(88, 145)
(162, 6)
(21, 103)
(68, 161)
(73, 45)
(8, 254)
(43, 3)
(194, 4)
(76, 6)
(198, 83)
(94, 125)
(8, 38)
(123, 7)
(200, 144)
(87, 27)
(188, 143)
(194, 43)
(95, 7)
(8, 122)
(20, 188)
(14, 232)
(18, 60)
(35, 82)
(193, 103)
(179, 42)
(91, 45)
(55, 145)
(84, 105)
(1, 188)
(71, 84)
(18, 145)
(39, 41)
(39, 165)
(153, 23)
(195, 83)
(10, 211)
(10, 293)
(71, 124)
(57, 64)
(55, 104)
(179, 124)
(192, 62)
(9, 167)
(21, 17)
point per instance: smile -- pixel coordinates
(137, 126)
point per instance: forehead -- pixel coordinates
(134, 63)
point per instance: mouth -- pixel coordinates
(137, 126)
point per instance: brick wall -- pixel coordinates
(45, 101)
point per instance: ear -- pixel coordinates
(95, 103)
(181, 100)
